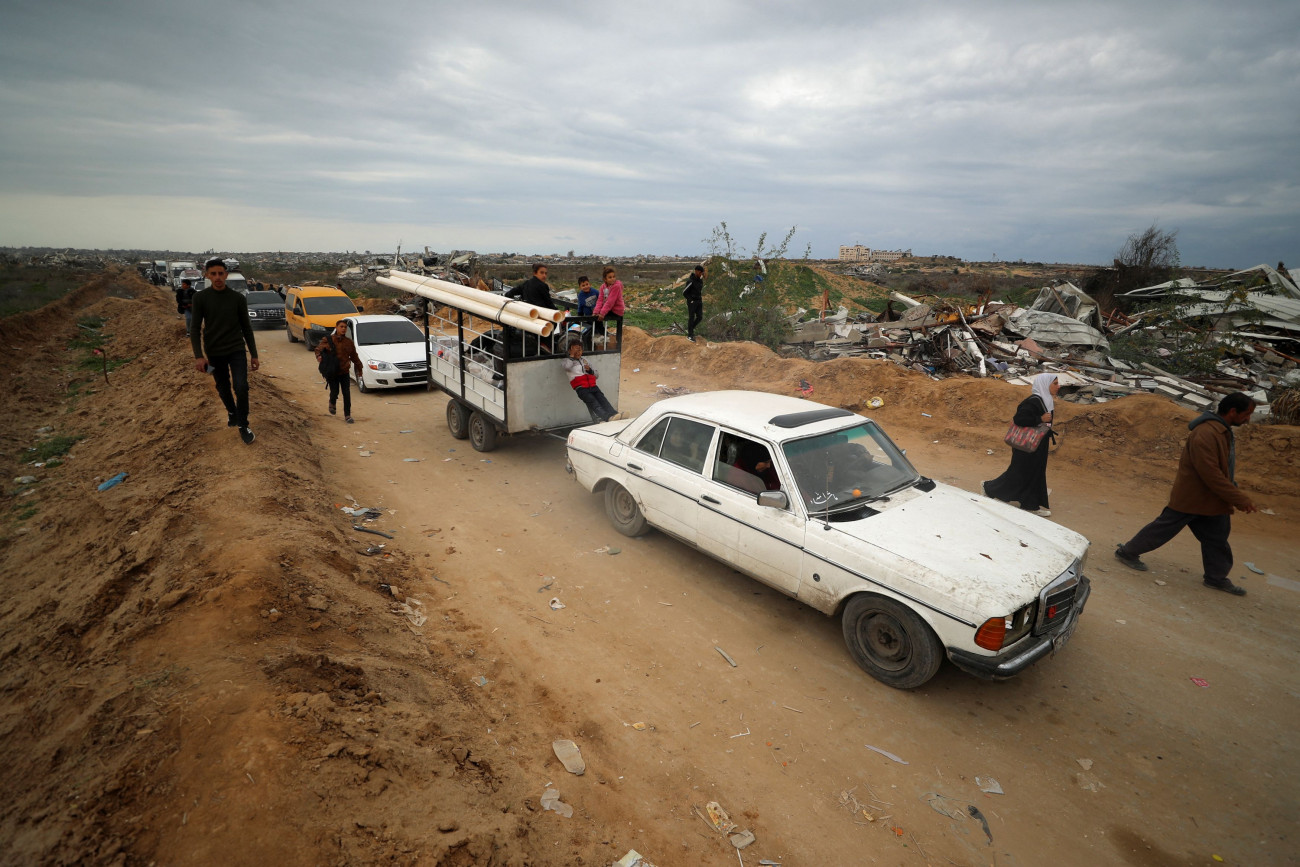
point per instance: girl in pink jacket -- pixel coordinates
(610, 302)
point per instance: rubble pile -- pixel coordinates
(1249, 320)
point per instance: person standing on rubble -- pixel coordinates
(1025, 481)
(1203, 497)
(694, 295)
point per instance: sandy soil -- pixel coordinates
(202, 665)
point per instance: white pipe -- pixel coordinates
(520, 307)
(543, 327)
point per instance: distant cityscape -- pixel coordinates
(859, 253)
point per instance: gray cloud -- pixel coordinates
(1025, 130)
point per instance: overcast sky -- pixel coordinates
(1037, 131)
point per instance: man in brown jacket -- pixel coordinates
(1203, 497)
(335, 353)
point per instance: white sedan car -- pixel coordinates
(820, 504)
(391, 349)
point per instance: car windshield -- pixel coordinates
(265, 298)
(848, 467)
(378, 333)
(327, 304)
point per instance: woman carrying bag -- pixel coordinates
(1025, 481)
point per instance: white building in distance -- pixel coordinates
(859, 253)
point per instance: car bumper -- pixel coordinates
(1013, 661)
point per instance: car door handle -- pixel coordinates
(636, 467)
(706, 498)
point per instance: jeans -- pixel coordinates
(189, 320)
(343, 383)
(596, 403)
(1210, 530)
(231, 371)
(694, 313)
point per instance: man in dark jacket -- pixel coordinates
(535, 290)
(694, 295)
(185, 304)
(1204, 495)
(218, 335)
(336, 353)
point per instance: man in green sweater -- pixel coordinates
(221, 324)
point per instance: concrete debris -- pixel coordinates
(1247, 324)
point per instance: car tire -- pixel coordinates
(623, 512)
(361, 385)
(482, 432)
(289, 332)
(457, 420)
(890, 642)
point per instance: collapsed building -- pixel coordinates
(1247, 324)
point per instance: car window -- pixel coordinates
(852, 465)
(297, 306)
(745, 464)
(687, 443)
(376, 333)
(325, 305)
(263, 297)
(653, 438)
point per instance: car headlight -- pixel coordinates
(319, 328)
(379, 365)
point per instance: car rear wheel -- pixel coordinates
(890, 642)
(623, 511)
(457, 420)
(482, 432)
(289, 332)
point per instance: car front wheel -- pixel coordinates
(623, 511)
(890, 642)
(361, 385)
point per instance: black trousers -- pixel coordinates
(597, 404)
(1210, 530)
(231, 372)
(694, 314)
(343, 383)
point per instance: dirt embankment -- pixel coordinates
(152, 632)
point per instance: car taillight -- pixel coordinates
(991, 634)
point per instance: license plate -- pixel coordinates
(1059, 640)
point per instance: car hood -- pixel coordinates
(392, 352)
(955, 549)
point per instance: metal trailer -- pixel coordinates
(504, 380)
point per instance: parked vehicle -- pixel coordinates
(312, 311)
(234, 280)
(393, 351)
(176, 269)
(194, 275)
(265, 309)
(820, 504)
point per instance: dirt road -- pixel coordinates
(1109, 752)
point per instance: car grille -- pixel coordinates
(1056, 601)
(272, 313)
(409, 365)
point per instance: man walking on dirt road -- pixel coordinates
(1204, 496)
(337, 355)
(219, 332)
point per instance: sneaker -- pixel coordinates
(1226, 586)
(1128, 559)
(348, 419)
(1042, 513)
(230, 420)
(333, 410)
(246, 434)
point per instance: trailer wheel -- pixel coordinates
(623, 512)
(457, 420)
(482, 432)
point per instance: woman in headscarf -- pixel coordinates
(1025, 481)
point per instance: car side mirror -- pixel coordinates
(774, 499)
(360, 308)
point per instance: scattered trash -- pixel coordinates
(480, 680)
(410, 460)
(116, 480)
(607, 549)
(547, 585)
(1160, 583)
(718, 818)
(551, 801)
(742, 839)
(1086, 764)
(362, 512)
(556, 604)
(416, 618)
(1252, 567)
(633, 858)
(28, 480)
(876, 403)
(886, 753)
(927, 415)
(945, 806)
(361, 529)
(725, 656)
(990, 785)
(636, 370)
(746, 733)
(639, 726)
(570, 756)
(1201, 682)
(365, 454)
(979, 817)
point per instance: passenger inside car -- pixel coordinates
(745, 464)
